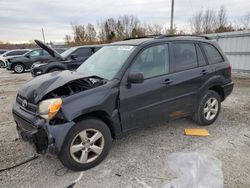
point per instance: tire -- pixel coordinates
(2, 65)
(54, 69)
(18, 68)
(208, 109)
(84, 158)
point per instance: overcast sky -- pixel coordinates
(22, 20)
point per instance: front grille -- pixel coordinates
(30, 107)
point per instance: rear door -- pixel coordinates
(190, 73)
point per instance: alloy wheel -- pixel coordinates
(211, 108)
(18, 68)
(87, 146)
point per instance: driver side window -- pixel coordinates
(153, 61)
(35, 53)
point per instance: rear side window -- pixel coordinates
(16, 53)
(201, 59)
(185, 56)
(213, 55)
(83, 52)
(153, 61)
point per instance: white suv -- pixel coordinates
(9, 54)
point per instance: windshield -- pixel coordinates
(67, 52)
(106, 62)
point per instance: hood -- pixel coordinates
(38, 87)
(50, 50)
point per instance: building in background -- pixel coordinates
(236, 46)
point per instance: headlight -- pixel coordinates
(38, 65)
(47, 109)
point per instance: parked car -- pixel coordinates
(124, 86)
(10, 54)
(24, 62)
(3, 51)
(70, 59)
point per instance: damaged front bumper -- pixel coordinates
(43, 136)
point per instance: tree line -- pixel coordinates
(127, 26)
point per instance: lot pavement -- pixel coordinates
(137, 159)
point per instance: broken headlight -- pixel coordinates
(47, 109)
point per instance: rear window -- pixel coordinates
(185, 56)
(213, 55)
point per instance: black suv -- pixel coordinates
(124, 86)
(70, 59)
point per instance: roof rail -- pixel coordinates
(166, 36)
(180, 35)
(142, 37)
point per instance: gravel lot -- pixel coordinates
(137, 159)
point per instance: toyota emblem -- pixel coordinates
(24, 103)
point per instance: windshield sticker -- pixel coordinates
(126, 48)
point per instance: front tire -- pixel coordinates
(86, 145)
(2, 64)
(208, 109)
(18, 68)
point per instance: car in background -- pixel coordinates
(21, 63)
(3, 51)
(11, 54)
(70, 59)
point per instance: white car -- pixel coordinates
(9, 54)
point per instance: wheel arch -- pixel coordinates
(218, 89)
(12, 66)
(101, 115)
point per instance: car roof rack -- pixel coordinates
(142, 37)
(166, 36)
(182, 35)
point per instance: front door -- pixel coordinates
(146, 103)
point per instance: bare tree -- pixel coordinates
(245, 21)
(68, 40)
(79, 33)
(90, 33)
(209, 21)
(196, 22)
(154, 29)
(222, 17)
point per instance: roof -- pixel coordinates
(150, 39)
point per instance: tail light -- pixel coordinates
(230, 69)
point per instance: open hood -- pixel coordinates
(58, 84)
(50, 50)
(37, 88)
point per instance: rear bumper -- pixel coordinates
(228, 88)
(43, 136)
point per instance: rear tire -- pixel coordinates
(208, 109)
(18, 68)
(81, 149)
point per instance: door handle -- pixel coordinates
(167, 82)
(204, 72)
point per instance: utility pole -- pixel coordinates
(43, 36)
(172, 18)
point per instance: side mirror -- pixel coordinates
(28, 56)
(73, 56)
(135, 77)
